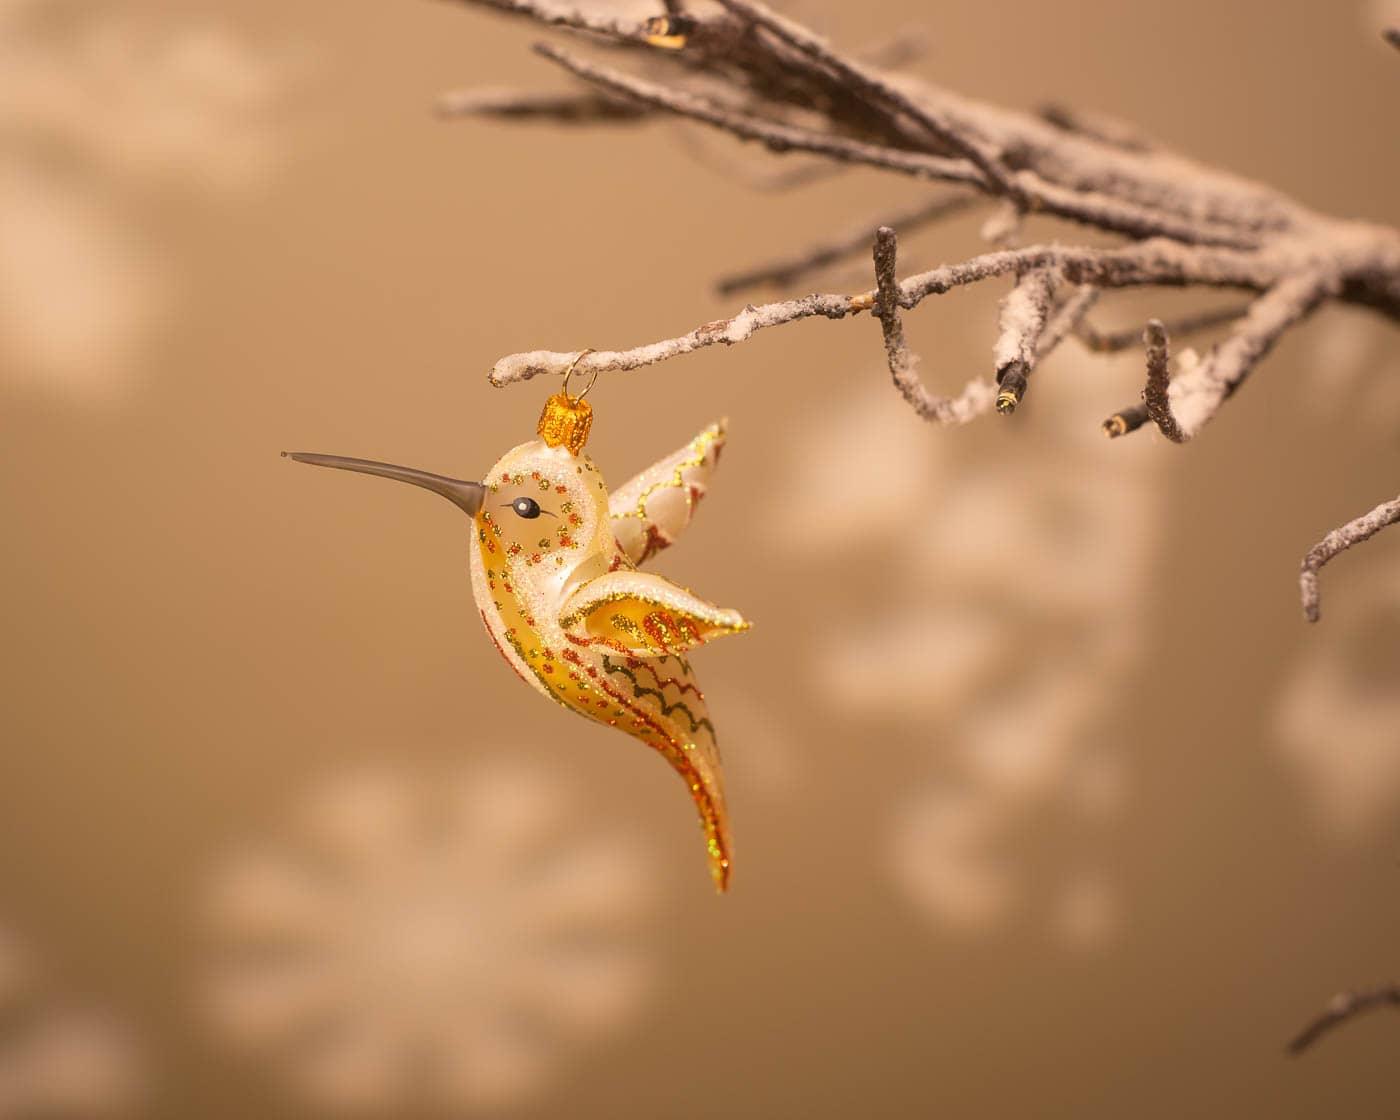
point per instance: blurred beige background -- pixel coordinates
(281, 835)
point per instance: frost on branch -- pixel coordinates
(739, 68)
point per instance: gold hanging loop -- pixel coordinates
(581, 355)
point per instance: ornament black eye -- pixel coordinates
(526, 507)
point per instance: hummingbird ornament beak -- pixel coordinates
(466, 496)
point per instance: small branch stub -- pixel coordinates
(667, 32)
(1155, 396)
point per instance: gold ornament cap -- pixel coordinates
(566, 421)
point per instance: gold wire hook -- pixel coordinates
(581, 355)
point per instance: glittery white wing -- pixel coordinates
(643, 614)
(653, 509)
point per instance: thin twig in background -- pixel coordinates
(787, 271)
(775, 135)
(1096, 127)
(1107, 342)
(1344, 1007)
(744, 70)
(556, 108)
(884, 97)
(1068, 318)
(767, 176)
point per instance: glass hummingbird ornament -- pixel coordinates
(555, 574)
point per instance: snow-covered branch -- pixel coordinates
(739, 68)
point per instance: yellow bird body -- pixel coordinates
(555, 573)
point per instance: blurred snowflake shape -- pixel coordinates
(1001, 606)
(60, 1059)
(422, 940)
(108, 119)
(1353, 355)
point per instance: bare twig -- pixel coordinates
(738, 328)
(871, 85)
(557, 108)
(787, 271)
(1197, 394)
(901, 363)
(1155, 395)
(976, 396)
(777, 176)
(1102, 341)
(1158, 261)
(776, 136)
(1068, 315)
(1344, 1007)
(1096, 126)
(1104, 212)
(1339, 540)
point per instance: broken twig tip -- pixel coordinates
(666, 32)
(1013, 382)
(1125, 420)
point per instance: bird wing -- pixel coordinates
(643, 614)
(652, 510)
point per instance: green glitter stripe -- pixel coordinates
(666, 709)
